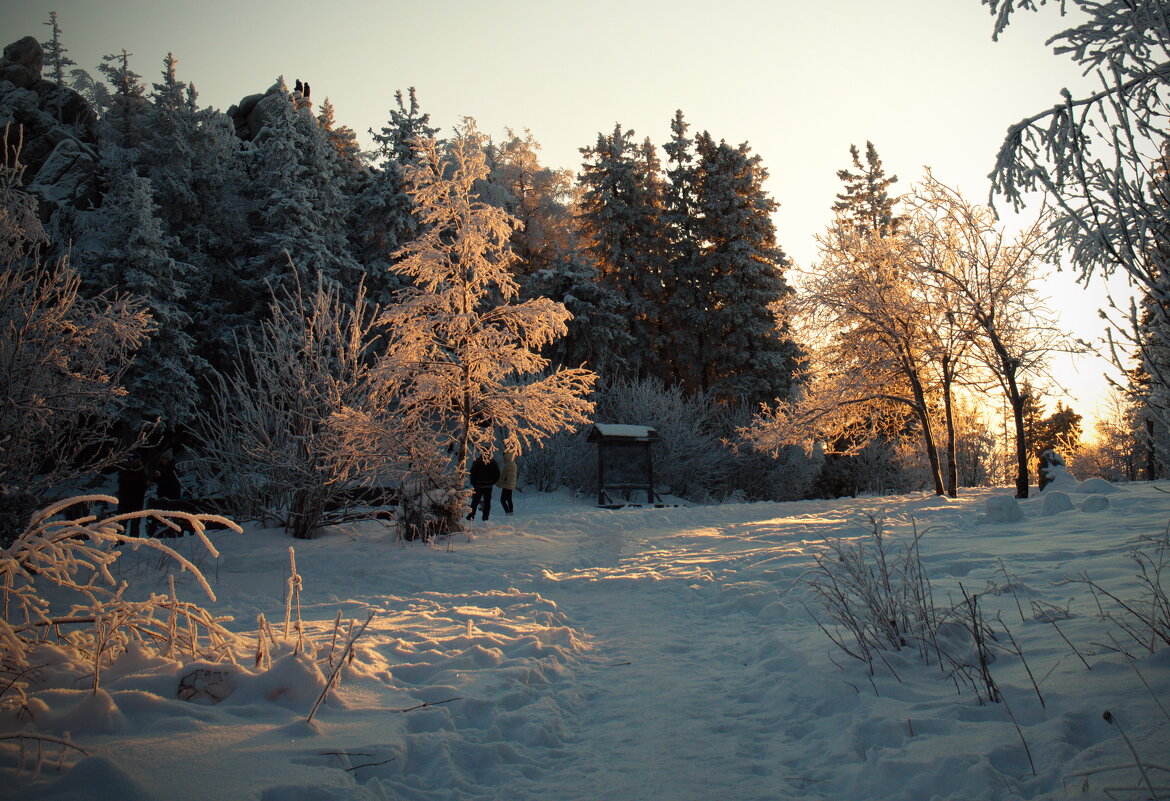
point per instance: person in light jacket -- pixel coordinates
(507, 482)
(484, 475)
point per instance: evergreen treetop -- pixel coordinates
(866, 203)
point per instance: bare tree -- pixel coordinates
(961, 249)
(878, 343)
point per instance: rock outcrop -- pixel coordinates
(55, 128)
(254, 113)
(23, 62)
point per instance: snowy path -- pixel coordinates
(658, 715)
(663, 714)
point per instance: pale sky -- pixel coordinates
(798, 81)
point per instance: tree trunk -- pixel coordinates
(952, 461)
(920, 408)
(1009, 367)
(1017, 403)
(1151, 456)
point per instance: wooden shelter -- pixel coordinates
(624, 462)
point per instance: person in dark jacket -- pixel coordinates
(484, 475)
(167, 478)
(132, 484)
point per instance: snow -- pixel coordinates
(571, 653)
(625, 431)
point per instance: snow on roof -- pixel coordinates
(622, 431)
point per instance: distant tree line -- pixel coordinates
(677, 295)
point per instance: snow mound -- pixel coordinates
(1003, 509)
(1055, 503)
(1096, 486)
(96, 778)
(1095, 503)
(1059, 479)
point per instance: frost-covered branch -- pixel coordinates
(56, 580)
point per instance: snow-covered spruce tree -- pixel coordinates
(298, 209)
(597, 329)
(463, 357)
(122, 123)
(866, 205)
(134, 256)
(752, 358)
(56, 60)
(1097, 158)
(193, 160)
(384, 217)
(95, 92)
(687, 283)
(620, 219)
(962, 249)
(268, 432)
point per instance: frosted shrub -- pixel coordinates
(58, 591)
(563, 460)
(287, 430)
(63, 358)
(431, 502)
(692, 461)
(751, 475)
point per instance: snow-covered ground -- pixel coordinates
(571, 652)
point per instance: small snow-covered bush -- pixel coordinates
(431, 502)
(274, 433)
(58, 591)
